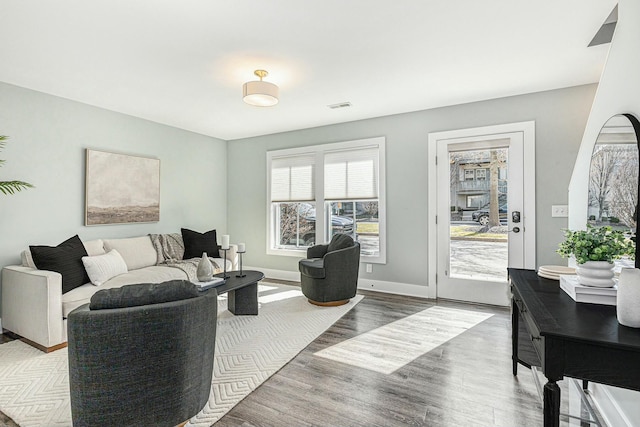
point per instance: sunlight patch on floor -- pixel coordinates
(390, 347)
(279, 296)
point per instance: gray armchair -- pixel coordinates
(142, 355)
(329, 275)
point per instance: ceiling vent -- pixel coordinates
(339, 105)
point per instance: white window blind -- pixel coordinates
(292, 178)
(351, 174)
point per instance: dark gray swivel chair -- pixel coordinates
(142, 355)
(329, 275)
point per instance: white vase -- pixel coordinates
(628, 298)
(205, 269)
(596, 273)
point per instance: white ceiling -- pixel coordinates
(183, 63)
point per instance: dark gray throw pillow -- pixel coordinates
(143, 294)
(196, 243)
(339, 241)
(66, 259)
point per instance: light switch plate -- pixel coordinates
(369, 268)
(560, 211)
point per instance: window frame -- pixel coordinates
(320, 202)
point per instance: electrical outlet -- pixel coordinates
(560, 211)
(369, 268)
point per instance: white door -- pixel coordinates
(484, 210)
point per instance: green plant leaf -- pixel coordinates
(11, 187)
(597, 244)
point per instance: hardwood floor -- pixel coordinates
(466, 381)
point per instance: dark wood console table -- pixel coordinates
(578, 340)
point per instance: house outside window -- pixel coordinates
(481, 174)
(343, 182)
(469, 175)
(477, 201)
(470, 180)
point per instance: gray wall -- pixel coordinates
(198, 187)
(560, 117)
(48, 138)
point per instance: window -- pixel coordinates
(293, 199)
(477, 201)
(469, 175)
(342, 181)
(481, 174)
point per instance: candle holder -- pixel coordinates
(241, 274)
(224, 274)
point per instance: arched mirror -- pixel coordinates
(613, 176)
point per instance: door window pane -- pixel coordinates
(478, 243)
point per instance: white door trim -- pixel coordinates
(529, 202)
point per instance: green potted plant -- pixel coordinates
(11, 187)
(595, 249)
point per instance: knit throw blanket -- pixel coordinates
(190, 267)
(169, 247)
(170, 250)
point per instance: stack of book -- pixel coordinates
(209, 283)
(589, 294)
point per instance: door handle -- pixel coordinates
(515, 230)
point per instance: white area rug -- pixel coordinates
(34, 386)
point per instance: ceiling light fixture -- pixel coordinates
(260, 93)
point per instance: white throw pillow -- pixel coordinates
(137, 252)
(101, 268)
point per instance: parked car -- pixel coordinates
(482, 215)
(339, 225)
(305, 225)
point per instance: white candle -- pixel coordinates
(241, 247)
(225, 241)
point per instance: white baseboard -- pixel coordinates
(365, 284)
(393, 288)
(269, 273)
(609, 408)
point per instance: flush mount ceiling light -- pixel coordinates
(259, 93)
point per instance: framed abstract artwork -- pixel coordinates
(121, 189)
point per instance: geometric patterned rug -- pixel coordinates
(34, 386)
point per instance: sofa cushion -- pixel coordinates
(137, 252)
(143, 294)
(101, 268)
(153, 274)
(66, 259)
(27, 259)
(313, 267)
(196, 243)
(94, 247)
(340, 241)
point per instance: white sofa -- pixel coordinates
(34, 307)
